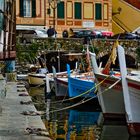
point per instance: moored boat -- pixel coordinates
(36, 79)
(133, 116)
(131, 93)
(81, 85)
(110, 93)
(61, 87)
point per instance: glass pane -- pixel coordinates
(27, 8)
(2, 5)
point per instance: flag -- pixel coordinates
(114, 52)
(111, 59)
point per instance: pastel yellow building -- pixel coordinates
(65, 14)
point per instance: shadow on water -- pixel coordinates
(84, 122)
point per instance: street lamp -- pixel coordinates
(53, 5)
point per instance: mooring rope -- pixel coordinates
(69, 99)
(84, 101)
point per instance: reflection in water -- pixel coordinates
(114, 132)
(81, 123)
(73, 124)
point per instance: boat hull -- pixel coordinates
(111, 101)
(133, 119)
(61, 87)
(36, 79)
(79, 86)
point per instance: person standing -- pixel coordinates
(71, 33)
(51, 32)
(65, 34)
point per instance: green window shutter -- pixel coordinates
(60, 10)
(33, 8)
(78, 10)
(98, 11)
(21, 8)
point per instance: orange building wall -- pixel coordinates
(87, 7)
(44, 19)
(39, 20)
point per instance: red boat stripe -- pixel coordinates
(134, 85)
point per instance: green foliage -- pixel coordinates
(27, 53)
(138, 54)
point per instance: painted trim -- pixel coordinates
(68, 10)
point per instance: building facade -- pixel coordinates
(30, 13)
(64, 14)
(7, 30)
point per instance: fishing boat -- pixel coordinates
(133, 103)
(60, 84)
(57, 59)
(61, 81)
(81, 85)
(37, 78)
(131, 93)
(130, 85)
(110, 93)
(74, 83)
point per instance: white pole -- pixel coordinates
(122, 62)
(48, 90)
(94, 63)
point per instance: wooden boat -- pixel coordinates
(61, 87)
(61, 81)
(131, 93)
(51, 59)
(38, 79)
(81, 85)
(110, 93)
(35, 78)
(133, 103)
(60, 84)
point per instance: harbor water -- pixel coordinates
(83, 122)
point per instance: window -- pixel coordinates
(98, 11)
(2, 5)
(1, 14)
(78, 10)
(28, 8)
(60, 10)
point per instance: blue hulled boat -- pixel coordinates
(81, 85)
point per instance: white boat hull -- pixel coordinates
(133, 119)
(111, 101)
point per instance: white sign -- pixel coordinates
(88, 24)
